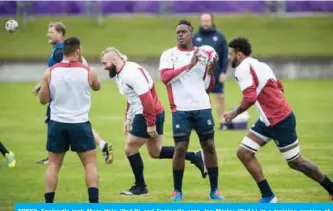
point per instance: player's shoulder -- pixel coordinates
(169, 51)
(244, 66)
(64, 64)
(130, 69)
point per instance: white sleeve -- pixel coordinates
(244, 77)
(138, 81)
(166, 61)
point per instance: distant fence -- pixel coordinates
(116, 7)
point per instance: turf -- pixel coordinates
(148, 36)
(23, 131)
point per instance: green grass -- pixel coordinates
(23, 131)
(149, 36)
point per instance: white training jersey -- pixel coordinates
(70, 92)
(271, 104)
(187, 91)
(133, 80)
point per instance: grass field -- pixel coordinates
(148, 36)
(23, 131)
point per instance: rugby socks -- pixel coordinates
(167, 152)
(327, 184)
(191, 157)
(265, 189)
(3, 149)
(137, 168)
(49, 197)
(213, 174)
(101, 145)
(178, 179)
(93, 195)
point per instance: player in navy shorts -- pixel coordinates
(186, 70)
(144, 117)
(69, 83)
(277, 121)
(56, 34)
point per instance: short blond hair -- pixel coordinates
(110, 49)
(59, 27)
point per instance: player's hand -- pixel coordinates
(36, 89)
(152, 131)
(222, 77)
(194, 59)
(212, 64)
(127, 125)
(230, 115)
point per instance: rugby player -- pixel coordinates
(185, 78)
(276, 120)
(56, 34)
(68, 84)
(144, 117)
(8, 155)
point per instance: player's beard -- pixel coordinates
(112, 71)
(234, 63)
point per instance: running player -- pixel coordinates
(8, 155)
(68, 84)
(276, 120)
(144, 117)
(56, 34)
(185, 78)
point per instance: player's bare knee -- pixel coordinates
(129, 150)
(208, 146)
(154, 154)
(181, 149)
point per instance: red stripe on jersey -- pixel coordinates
(168, 74)
(158, 105)
(150, 102)
(211, 83)
(144, 74)
(183, 49)
(70, 65)
(271, 100)
(171, 99)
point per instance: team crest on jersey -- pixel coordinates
(215, 38)
(199, 39)
(209, 122)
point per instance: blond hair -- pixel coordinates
(59, 27)
(110, 49)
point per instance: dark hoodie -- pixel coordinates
(216, 40)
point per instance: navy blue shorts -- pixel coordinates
(200, 120)
(139, 125)
(283, 133)
(218, 88)
(79, 137)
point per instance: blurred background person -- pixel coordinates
(209, 35)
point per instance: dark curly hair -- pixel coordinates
(185, 22)
(241, 44)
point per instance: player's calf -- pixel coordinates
(249, 146)
(312, 171)
(88, 160)
(208, 147)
